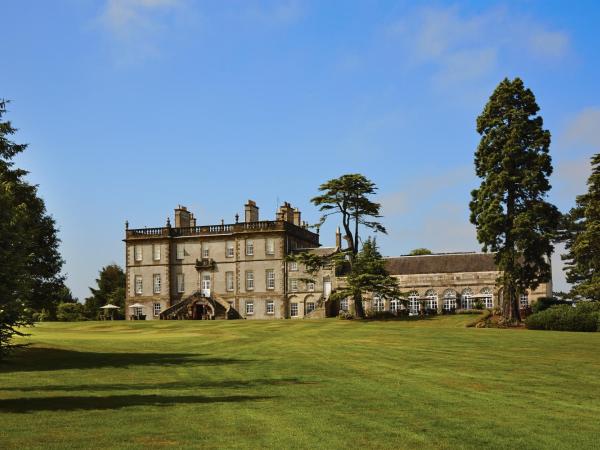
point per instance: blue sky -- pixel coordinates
(131, 107)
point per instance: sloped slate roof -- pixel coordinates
(441, 263)
(319, 251)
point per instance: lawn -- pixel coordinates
(300, 384)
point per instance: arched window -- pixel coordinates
(394, 305)
(487, 297)
(466, 299)
(449, 300)
(378, 303)
(431, 301)
(413, 303)
(524, 300)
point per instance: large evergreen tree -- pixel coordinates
(29, 260)
(582, 239)
(509, 208)
(349, 196)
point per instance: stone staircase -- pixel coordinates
(180, 310)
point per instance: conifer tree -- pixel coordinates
(582, 239)
(509, 208)
(29, 260)
(349, 196)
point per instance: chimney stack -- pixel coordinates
(251, 211)
(182, 217)
(338, 238)
(297, 220)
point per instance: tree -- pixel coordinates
(368, 275)
(509, 208)
(30, 263)
(70, 312)
(348, 195)
(420, 251)
(582, 239)
(110, 289)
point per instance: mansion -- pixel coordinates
(242, 270)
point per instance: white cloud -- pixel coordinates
(136, 24)
(464, 47)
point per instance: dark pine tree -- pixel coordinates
(30, 263)
(582, 239)
(509, 208)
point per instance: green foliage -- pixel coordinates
(582, 239)
(110, 289)
(509, 208)
(583, 317)
(420, 251)
(30, 264)
(544, 303)
(380, 315)
(348, 195)
(368, 275)
(70, 312)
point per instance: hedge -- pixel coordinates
(582, 317)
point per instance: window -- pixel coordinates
(310, 307)
(270, 279)
(156, 309)
(467, 299)
(229, 281)
(137, 249)
(156, 252)
(180, 283)
(205, 252)
(138, 311)
(294, 309)
(310, 286)
(431, 301)
(378, 304)
(250, 308)
(270, 246)
(487, 298)
(344, 304)
(394, 305)
(180, 251)
(249, 247)
(249, 280)
(156, 283)
(293, 266)
(293, 285)
(524, 300)
(229, 249)
(270, 307)
(449, 300)
(413, 303)
(139, 290)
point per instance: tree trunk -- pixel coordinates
(358, 306)
(510, 302)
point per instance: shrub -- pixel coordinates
(70, 312)
(544, 303)
(379, 315)
(583, 317)
(345, 315)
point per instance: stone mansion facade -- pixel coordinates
(241, 270)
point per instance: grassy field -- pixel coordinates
(300, 384)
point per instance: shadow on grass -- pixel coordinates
(44, 359)
(225, 384)
(27, 405)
